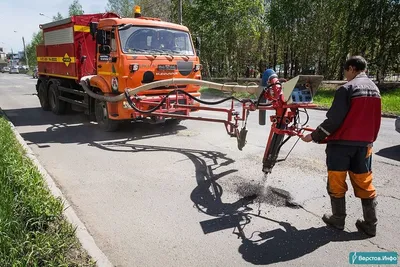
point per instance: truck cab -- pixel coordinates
(113, 54)
(134, 51)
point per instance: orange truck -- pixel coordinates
(113, 54)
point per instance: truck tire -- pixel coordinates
(56, 105)
(101, 113)
(43, 99)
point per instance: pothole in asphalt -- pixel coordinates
(266, 194)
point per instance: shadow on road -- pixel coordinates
(280, 245)
(390, 152)
(273, 246)
(37, 116)
(78, 128)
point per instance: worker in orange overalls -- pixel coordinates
(351, 127)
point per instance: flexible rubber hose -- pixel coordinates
(101, 97)
(169, 82)
(130, 102)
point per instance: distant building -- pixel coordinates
(2, 54)
(3, 58)
(14, 59)
(12, 56)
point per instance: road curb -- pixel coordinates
(82, 233)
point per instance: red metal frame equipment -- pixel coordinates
(286, 98)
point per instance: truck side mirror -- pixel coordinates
(93, 28)
(105, 49)
(197, 43)
(101, 37)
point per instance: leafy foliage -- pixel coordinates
(292, 37)
(75, 8)
(230, 30)
(58, 17)
(122, 7)
(162, 9)
(295, 37)
(37, 38)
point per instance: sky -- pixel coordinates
(23, 17)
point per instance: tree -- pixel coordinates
(293, 37)
(75, 8)
(122, 7)
(161, 9)
(37, 39)
(230, 31)
(57, 17)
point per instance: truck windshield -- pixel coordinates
(147, 40)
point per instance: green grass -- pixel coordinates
(219, 93)
(211, 91)
(390, 100)
(33, 231)
(324, 98)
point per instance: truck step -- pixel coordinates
(72, 101)
(72, 91)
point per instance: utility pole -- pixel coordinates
(180, 12)
(26, 57)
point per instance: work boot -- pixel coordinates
(338, 216)
(368, 225)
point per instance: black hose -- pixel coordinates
(308, 116)
(185, 93)
(259, 103)
(284, 141)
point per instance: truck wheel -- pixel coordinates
(102, 118)
(57, 106)
(42, 94)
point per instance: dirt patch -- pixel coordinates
(266, 194)
(311, 165)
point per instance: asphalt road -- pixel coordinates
(153, 195)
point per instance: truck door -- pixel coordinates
(107, 59)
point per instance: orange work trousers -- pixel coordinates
(354, 160)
